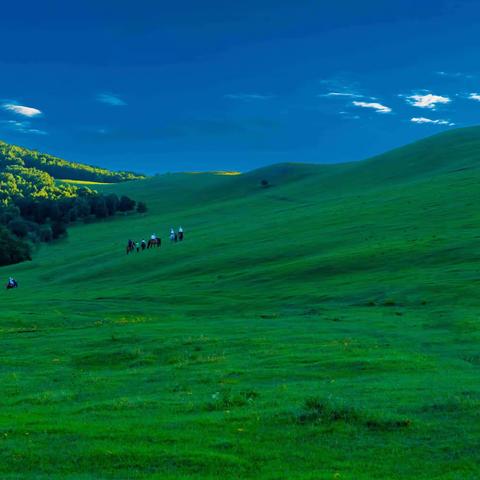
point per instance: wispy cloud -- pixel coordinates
(111, 99)
(22, 110)
(247, 96)
(22, 127)
(378, 107)
(427, 101)
(349, 116)
(474, 96)
(341, 94)
(454, 74)
(423, 120)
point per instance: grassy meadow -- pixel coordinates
(324, 327)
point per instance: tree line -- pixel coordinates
(29, 221)
(35, 208)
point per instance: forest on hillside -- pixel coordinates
(35, 208)
(13, 155)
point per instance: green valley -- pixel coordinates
(317, 322)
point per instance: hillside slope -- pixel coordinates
(323, 327)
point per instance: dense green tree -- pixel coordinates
(112, 202)
(126, 204)
(12, 250)
(59, 229)
(100, 209)
(13, 155)
(18, 227)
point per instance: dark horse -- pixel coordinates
(130, 247)
(11, 285)
(154, 242)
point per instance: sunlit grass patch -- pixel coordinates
(131, 319)
(83, 182)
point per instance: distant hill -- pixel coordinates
(13, 155)
(442, 154)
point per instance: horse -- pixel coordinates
(154, 242)
(130, 247)
(180, 236)
(11, 285)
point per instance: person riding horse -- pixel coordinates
(154, 241)
(130, 246)
(12, 283)
(180, 234)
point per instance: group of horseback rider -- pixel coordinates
(154, 241)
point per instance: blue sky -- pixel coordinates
(159, 86)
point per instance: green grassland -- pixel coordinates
(325, 327)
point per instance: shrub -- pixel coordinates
(45, 233)
(141, 207)
(59, 229)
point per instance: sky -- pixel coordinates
(183, 85)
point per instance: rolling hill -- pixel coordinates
(322, 327)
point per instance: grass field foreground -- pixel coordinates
(323, 327)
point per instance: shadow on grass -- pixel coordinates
(317, 411)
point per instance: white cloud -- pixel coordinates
(22, 110)
(111, 99)
(23, 127)
(474, 96)
(427, 101)
(341, 94)
(429, 120)
(378, 107)
(247, 96)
